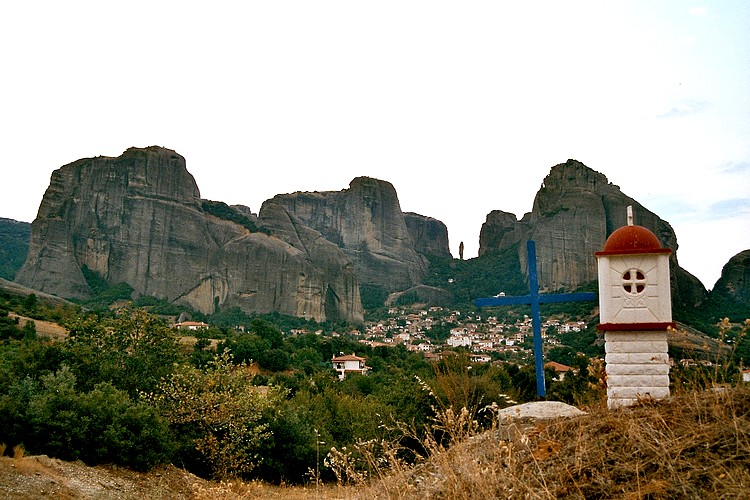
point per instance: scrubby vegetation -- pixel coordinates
(484, 276)
(253, 404)
(223, 211)
(247, 399)
(14, 245)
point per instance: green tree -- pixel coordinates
(221, 411)
(132, 351)
(101, 426)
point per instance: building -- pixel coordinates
(560, 369)
(459, 341)
(191, 325)
(480, 358)
(349, 363)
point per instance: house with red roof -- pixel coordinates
(348, 363)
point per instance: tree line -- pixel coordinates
(125, 388)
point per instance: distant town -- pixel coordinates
(485, 336)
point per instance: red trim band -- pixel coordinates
(631, 327)
(631, 252)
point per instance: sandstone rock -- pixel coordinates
(573, 213)
(339, 286)
(138, 219)
(500, 230)
(245, 210)
(734, 283)
(366, 222)
(430, 236)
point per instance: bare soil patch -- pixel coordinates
(35, 477)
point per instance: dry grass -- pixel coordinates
(44, 329)
(695, 445)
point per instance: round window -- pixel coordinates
(634, 281)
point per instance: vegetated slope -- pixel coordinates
(14, 245)
(693, 445)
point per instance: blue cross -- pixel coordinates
(534, 298)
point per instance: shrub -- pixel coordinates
(221, 411)
(101, 426)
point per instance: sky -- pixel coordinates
(463, 106)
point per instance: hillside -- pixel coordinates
(14, 245)
(694, 445)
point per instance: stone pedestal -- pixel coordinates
(637, 366)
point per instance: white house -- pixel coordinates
(191, 325)
(480, 358)
(459, 341)
(349, 363)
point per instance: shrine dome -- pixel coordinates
(632, 239)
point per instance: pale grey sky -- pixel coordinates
(463, 106)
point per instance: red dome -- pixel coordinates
(633, 239)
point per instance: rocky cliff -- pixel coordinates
(734, 283)
(430, 236)
(573, 213)
(138, 219)
(366, 222)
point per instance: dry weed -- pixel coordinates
(694, 445)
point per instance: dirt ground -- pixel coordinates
(43, 328)
(36, 477)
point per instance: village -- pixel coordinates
(485, 336)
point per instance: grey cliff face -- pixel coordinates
(574, 212)
(138, 219)
(338, 290)
(366, 222)
(430, 236)
(498, 231)
(734, 282)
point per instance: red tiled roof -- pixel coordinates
(348, 357)
(558, 367)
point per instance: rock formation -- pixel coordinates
(366, 222)
(138, 219)
(734, 283)
(499, 232)
(430, 235)
(573, 213)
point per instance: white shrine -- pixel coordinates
(635, 311)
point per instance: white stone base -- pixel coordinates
(637, 366)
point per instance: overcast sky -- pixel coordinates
(463, 106)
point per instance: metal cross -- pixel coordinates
(534, 298)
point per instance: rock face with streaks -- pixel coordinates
(430, 235)
(574, 212)
(366, 222)
(734, 283)
(139, 219)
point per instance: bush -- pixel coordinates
(101, 426)
(132, 351)
(222, 413)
